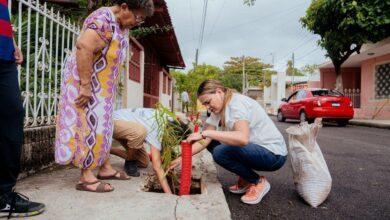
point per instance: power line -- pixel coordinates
(296, 48)
(192, 21)
(216, 20)
(263, 17)
(307, 54)
(201, 34)
(286, 11)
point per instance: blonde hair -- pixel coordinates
(210, 86)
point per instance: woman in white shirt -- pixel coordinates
(241, 137)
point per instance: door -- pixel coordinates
(297, 103)
(288, 107)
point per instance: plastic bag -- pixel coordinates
(311, 174)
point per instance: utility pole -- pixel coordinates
(196, 57)
(243, 74)
(273, 60)
(293, 72)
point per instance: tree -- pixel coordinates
(309, 69)
(191, 80)
(254, 70)
(249, 2)
(345, 25)
(290, 71)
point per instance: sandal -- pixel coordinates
(99, 189)
(122, 176)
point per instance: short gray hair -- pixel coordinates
(145, 5)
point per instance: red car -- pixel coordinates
(308, 104)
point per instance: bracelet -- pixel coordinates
(203, 136)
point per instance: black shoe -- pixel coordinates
(131, 168)
(17, 205)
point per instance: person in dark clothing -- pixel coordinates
(11, 124)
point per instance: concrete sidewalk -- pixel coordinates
(371, 123)
(128, 201)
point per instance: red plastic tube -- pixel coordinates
(186, 160)
(196, 128)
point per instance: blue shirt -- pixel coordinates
(6, 39)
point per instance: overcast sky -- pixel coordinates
(233, 29)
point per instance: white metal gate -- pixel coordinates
(46, 38)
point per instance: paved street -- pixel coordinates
(358, 159)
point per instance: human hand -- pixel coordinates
(18, 56)
(84, 96)
(174, 163)
(194, 137)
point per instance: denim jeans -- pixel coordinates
(243, 160)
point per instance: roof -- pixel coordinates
(368, 51)
(165, 44)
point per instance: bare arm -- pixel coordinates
(238, 137)
(87, 46)
(197, 146)
(18, 54)
(156, 161)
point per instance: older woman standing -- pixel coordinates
(84, 123)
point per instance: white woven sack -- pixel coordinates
(311, 174)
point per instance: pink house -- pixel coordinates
(366, 80)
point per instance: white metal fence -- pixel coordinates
(354, 96)
(45, 38)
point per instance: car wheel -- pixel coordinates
(302, 116)
(280, 116)
(342, 123)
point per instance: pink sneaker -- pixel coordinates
(240, 187)
(256, 192)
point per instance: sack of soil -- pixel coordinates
(311, 174)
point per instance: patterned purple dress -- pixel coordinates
(84, 136)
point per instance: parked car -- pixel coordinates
(308, 104)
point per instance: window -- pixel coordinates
(169, 86)
(325, 92)
(293, 97)
(134, 65)
(382, 81)
(164, 83)
(301, 95)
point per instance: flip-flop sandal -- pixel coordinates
(99, 189)
(122, 176)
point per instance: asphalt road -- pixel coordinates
(359, 162)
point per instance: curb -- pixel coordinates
(369, 124)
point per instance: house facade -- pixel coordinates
(366, 80)
(152, 56)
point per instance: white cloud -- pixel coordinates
(233, 29)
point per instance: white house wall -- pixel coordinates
(176, 96)
(164, 98)
(135, 90)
